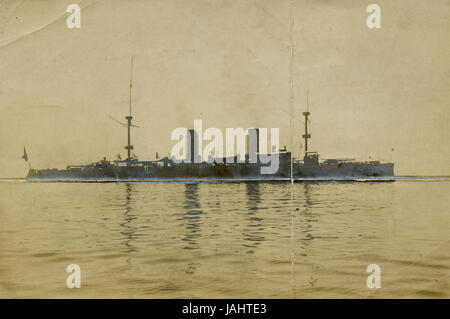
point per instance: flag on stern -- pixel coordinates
(25, 156)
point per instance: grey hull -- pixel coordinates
(225, 172)
(346, 170)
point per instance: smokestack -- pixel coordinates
(257, 140)
(192, 139)
(252, 152)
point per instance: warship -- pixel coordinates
(166, 168)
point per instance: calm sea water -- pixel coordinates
(225, 240)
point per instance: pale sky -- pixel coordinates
(382, 93)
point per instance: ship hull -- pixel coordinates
(347, 170)
(224, 172)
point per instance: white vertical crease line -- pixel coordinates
(291, 104)
(291, 98)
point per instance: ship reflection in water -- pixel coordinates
(227, 240)
(191, 216)
(128, 230)
(254, 230)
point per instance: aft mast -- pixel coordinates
(310, 158)
(129, 147)
(306, 114)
